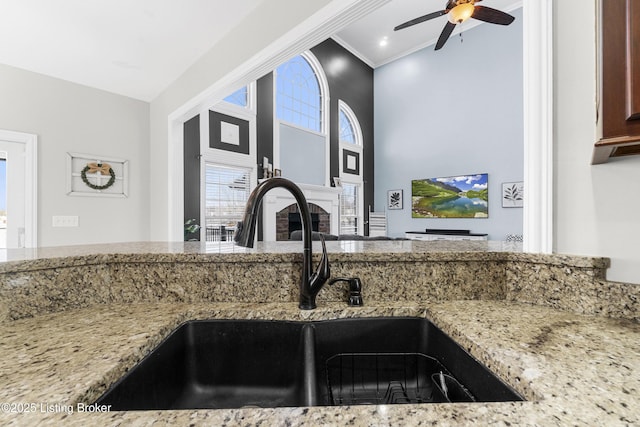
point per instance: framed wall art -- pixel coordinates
(394, 199)
(91, 175)
(512, 194)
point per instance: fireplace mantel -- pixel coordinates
(328, 198)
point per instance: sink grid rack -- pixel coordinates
(391, 378)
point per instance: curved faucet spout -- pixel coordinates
(310, 283)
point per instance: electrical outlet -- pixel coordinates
(65, 221)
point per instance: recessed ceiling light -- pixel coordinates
(384, 41)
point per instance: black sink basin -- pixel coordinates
(398, 360)
(218, 364)
(257, 363)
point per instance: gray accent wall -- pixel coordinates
(353, 84)
(455, 111)
(191, 163)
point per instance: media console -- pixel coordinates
(444, 234)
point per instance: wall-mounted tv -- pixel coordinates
(465, 196)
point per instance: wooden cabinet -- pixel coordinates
(619, 79)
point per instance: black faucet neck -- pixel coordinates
(310, 283)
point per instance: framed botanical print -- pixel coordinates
(394, 199)
(512, 194)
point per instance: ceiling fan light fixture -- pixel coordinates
(461, 13)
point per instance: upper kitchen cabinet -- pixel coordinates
(619, 119)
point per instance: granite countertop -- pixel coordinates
(74, 319)
(50, 257)
(272, 248)
(573, 369)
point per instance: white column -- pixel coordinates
(538, 126)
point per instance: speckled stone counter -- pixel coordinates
(574, 369)
(57, 279)
(75, 319)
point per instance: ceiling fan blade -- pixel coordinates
(420, 19)
(444, 35)
(493, 16)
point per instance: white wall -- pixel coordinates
(596, 207)
(456, 111)
(266, 24)
(70, 117)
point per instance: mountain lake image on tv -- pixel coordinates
(465, 196)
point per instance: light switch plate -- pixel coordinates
(65, 221)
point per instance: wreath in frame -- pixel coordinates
(102, 169)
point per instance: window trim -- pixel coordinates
(355, 124)
(360, 200)
(203, 207)
(358, 147)
(222, 157)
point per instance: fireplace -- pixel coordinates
(295, 223)
(279, 203)
(288, 220)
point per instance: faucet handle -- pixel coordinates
(323, 272)
(355, 289)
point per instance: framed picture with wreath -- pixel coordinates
(91, 175)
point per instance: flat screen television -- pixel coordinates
(464, 196)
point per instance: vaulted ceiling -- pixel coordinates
(364, 37)
(138, 48)
(130, 47)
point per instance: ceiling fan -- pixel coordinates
(459, 11)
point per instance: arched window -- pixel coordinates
(298, 95)
(301, 107)
(351, 171)
(350, 132)
(346, 129)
